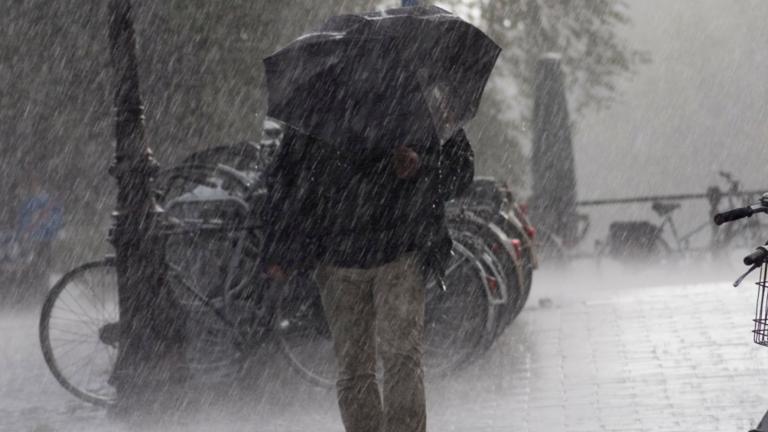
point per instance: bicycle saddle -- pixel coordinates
(662, 209)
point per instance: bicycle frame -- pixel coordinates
(243, 233)
(682, 242)
(757, 260)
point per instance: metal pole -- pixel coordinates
(678, 197)
(140, 375)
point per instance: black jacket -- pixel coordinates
(351, 210)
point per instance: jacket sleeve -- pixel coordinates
(287, 210)
(457, 166)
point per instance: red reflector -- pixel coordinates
(493, 285)
(518, 247)
(531, 231)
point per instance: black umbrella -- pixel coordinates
(378, 79)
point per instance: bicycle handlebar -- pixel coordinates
(732, 215)
(757, 257)
(740, 213)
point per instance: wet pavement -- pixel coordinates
(645, 358)
(589, 353)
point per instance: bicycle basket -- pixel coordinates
(761, 308)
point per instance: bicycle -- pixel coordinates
(734, 235)
(231, 310)
(755, 260)
(81, 308)
(497, 300)
(644, 240)
(506, 284)
(496, 206)
(459, 322)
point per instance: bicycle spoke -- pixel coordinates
(74, 319)
(93, 298)
(81, 309)
(88, 375)
(91, 327)
(101, 298)
(78, 359)
(60, 318)
(71, 348)
(71, 332)
(70, 343)
(75, 327)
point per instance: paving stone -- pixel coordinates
(604, 357)
(665, 358)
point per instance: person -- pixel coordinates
(25, 249)
(372, 226)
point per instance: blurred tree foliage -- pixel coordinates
(585, 33)
(201, 74)
(55, 104)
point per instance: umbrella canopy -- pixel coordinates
(379, 79)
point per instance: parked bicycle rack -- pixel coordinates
(206, 199)
(637, 238)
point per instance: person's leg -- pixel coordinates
(348, 303)
(399, 296)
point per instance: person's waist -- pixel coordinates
(361, 253)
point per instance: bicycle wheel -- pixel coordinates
(459, 320)
(510, 226)
(527, 256)
(458, 323)
(79, 329)
(205, 269)
(507, 267)
(303, 334)
(511, 266)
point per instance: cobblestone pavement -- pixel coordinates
(658, 358)
(635, 354)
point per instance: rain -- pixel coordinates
(200, 198)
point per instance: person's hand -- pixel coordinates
(406, 161)
(276, 273)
